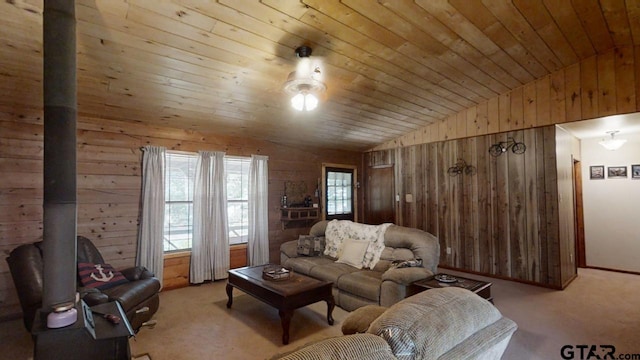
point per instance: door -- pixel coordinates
(339, 190)
(380, 204)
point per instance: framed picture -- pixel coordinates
(635, 171)
(614, 172)
(596, 171)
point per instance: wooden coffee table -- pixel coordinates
(285, 295)
(482, 288)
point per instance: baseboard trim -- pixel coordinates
(614, 270)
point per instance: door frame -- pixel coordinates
(578, 207)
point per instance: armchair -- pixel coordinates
(138, 296)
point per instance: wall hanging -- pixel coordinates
(461, 167)
(503, 146)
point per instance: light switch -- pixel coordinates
(408, 198)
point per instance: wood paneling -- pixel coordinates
(176, 270)
(504, 218)
(176, 266)
(602, 85)
(109, 183)
(390, 67)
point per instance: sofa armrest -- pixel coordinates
(366, 346)
(289, 249)
(137, 273)
(93, 296)
(406, 276)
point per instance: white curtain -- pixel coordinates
(151, 230)
(210, 243)
(258, 242)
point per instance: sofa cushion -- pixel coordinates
(353, 252)
(310, 245)
(304, 264)
(364, 284)
(331, 272)
(429, 324)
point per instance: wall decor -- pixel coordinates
(502, 147)
(596, 172)
(635, 171)
(616, 172)
(461, 166)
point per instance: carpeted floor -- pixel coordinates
(598, 308)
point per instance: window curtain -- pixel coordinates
(151, 230)
(210, 243)
(258, 239)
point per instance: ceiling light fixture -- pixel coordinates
(305, 84)
(612, 143)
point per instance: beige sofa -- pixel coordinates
(383, 285)
(444, 324)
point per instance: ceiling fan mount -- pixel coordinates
(303, 51)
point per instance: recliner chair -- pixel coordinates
(138, 297)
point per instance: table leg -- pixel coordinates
(285, 319)
(229, 295)
(330, 305)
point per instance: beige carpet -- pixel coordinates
(599, 307)
(194, 323)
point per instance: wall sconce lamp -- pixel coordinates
(612, 143)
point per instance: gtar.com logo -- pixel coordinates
(586, 352)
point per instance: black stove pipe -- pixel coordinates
(60, 112)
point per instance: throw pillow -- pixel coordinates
(99, 276)
(310, 245)
(353, 252)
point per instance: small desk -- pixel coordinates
(482, 288)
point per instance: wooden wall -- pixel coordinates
(603, 85)
(503, 219)
(109, 182)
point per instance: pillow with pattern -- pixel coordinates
(310, 245)
(99, 276)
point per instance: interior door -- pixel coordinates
(380, 204)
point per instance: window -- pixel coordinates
(339, 185)
(237, 173)
(178, 210)
(179, 184)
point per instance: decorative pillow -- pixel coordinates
(99, 276)
(310, 245)
(353, 252)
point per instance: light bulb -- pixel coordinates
(311, 102)
(298, 102)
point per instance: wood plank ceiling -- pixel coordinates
(390, 66)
